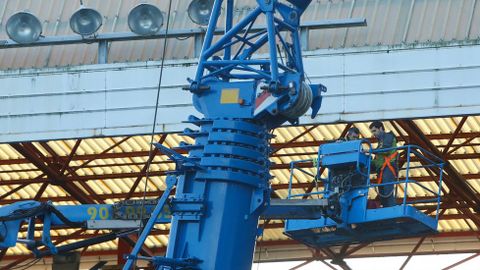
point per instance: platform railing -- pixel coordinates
(413, 154)
(409, 155)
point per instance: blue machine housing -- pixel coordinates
(356, 222)
(238, 105)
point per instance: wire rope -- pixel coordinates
(152, 135)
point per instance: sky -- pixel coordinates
(420, 262)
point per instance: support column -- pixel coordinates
(233, 187)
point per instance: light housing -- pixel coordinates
(86, 21)
(24, 28)
(145, 20)
(199, 11)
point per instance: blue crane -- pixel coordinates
(225, 187)
(222, 187)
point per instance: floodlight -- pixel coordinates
(24, 27)
(145, 19)
(199, 11)
(85, 21)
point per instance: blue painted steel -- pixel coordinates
(81, 213)
(223, 185)
(171, 181)
(171, 263)
(344, 154)
(271, 31)
(11, 216)
(224, 238)
(280, 79)
(85, 243)
(228, 26)
(241, 99)
(11, 226)
(355, 222)
(386, 224)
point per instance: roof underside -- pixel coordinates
(109, 170)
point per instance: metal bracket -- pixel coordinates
(182, 164)
(113, 224)
(135, 209)
(296, 209)
(259, 199)
(188, 207)
(172, 263)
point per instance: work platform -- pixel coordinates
(401, 221)
(357, 217)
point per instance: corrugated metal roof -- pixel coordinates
(390, 22)
(111, 173)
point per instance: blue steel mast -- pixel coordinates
(241, 98)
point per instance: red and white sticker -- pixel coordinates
(263, 100)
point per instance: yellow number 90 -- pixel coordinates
(102, 212)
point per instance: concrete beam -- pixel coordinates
(119, 99)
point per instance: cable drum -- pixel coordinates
(302, 103)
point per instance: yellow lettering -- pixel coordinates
(92, 211)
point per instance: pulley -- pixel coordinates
(301, 104)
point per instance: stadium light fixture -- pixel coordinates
(199, 11)
(145, 20)
(24, 28)
(86, 21)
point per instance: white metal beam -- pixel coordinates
(119, 99)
